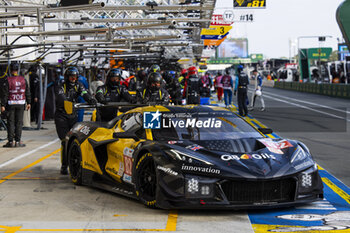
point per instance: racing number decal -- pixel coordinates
(256, 4)
(284, 144)
(127, 164)
(249, 3)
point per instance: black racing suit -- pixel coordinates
(132, 83)
(35, 93)
(193, 88)
(108, 93)
(174, 89)
(14, 110)
(160, 96)
(242, 90)
(63, 120)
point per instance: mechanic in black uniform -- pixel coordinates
(153, 69)
(241, 87)
(69, 90)
(173, 87)
(112, 91)
(193, 87)
(132, 82)
(154, 92)
(16, 93)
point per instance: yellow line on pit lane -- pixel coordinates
(28, 166)
(336, 189)
(170, 226)
(35, 178)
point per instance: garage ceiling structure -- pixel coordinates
(141, 31)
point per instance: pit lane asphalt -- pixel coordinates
(321, 122)
(34, 197)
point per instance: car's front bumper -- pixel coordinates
(214, 193)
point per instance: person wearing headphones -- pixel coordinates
(154, 92)
(112, 91)
(66, 92)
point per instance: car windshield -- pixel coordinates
(204, 126)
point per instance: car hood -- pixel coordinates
(249, 158)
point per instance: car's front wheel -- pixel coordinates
(146, 180)
(74, 162)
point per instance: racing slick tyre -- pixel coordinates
(74, 162)
(146, 180)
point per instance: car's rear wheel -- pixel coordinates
(74, 162)
(146, 180)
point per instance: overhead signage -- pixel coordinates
(319, 53)
(248, 17)
(230, 61)
(343, 52)
(213, 37)
(228, 16)
(218, 20)
(216, 30)
(208, 53)
(291, 66)
(257, 57)
(255, 4)
(213, 42)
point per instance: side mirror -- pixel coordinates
(265, 130)
(126, 135)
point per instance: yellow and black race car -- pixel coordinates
(191, 157)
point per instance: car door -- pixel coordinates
(120, 153)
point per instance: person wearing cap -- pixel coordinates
(68, 92)
(257, 91)
(16, 95)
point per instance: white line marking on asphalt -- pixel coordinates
(307, 102)
(318, 205)
(28, 153)
(305, 107)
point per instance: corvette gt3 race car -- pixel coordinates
(191, 157)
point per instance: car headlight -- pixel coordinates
(299, 155)
(308, 179)
(181, 156)
(197, 187)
